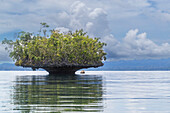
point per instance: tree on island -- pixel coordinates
(57, 52)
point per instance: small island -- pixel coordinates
(57, 53)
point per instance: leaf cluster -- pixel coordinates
(72, 48)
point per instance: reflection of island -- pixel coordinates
(58, 94)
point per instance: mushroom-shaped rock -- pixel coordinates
(60, 53)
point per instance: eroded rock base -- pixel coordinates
(62, 70)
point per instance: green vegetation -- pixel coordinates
(55, 50)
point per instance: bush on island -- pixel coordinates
(57, 51)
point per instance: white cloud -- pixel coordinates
(137, 46)
(62, 29)
(96, 13)
(92, 20)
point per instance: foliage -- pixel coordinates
(72, 48)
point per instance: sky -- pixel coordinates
(132, 29)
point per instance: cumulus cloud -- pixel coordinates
(92, 20)
(137, 46)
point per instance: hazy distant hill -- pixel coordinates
(146, 65)
(9, 67)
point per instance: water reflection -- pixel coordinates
(77, 93)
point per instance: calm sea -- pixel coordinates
(95, 91)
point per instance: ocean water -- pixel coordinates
(93, 92)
